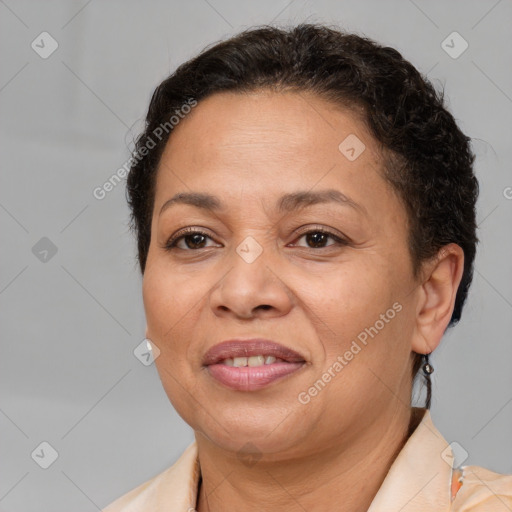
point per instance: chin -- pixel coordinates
(246, 431)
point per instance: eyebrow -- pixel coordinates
(287, 203)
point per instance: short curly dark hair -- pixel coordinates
(428, 160)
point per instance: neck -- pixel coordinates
(349, 475)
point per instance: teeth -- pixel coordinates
(258, 360)
(255, 361)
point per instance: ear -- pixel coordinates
(436, 298)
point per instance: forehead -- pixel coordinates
(293, 121)
(266, 143)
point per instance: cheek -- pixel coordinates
(365, 320)
(158, 302)
(168, 306)
(167, 294)
(354, 297)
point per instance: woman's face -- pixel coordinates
(344, 301)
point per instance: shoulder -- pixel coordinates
(136, 499)
(483, 490)
(175, 488)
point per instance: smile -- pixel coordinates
(252, 378)
(249, 365)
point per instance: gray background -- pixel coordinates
(70, 324)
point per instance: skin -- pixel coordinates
(264, 448)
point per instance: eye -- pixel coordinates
(316, 238)
(192, 238)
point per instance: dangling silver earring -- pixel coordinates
(427, 367)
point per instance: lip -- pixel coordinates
(246, 348)
(249, 378)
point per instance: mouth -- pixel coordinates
(249, 365)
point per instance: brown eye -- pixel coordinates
(192, 240)
(317, 238)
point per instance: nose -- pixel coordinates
(252, 288)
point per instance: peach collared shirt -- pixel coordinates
(421, 479)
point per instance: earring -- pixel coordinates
(427, 367)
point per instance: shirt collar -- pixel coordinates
(419, 479)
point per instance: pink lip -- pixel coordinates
(250, 378)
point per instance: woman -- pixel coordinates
(305, 213)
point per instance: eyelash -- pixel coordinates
(173, 241)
